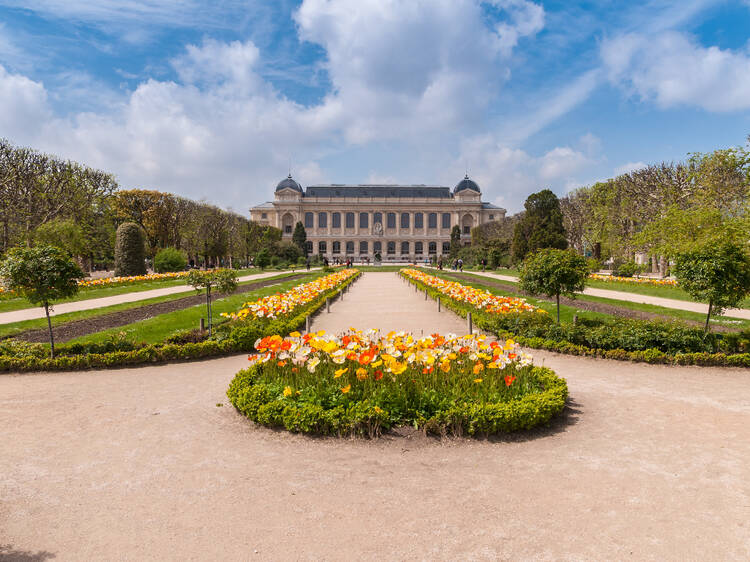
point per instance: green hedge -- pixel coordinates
(622, 339)
(232, 337)
(264, 404)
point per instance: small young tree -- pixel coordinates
(716, 273)
(169, 259)
(299, 237)
(554, 272)
(220, 280)
(130, 250)
(262, 259)
(455, 240)
(41, 274)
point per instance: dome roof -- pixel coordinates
(465, 184)
(289, 183)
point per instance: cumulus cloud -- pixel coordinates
(629, 167)
(672, 69)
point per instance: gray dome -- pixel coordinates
(289, 183)
(465, 184)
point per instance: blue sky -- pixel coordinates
(214, 100)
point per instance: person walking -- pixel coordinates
(307, 263)
(460, 264)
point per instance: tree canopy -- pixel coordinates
(540, 227)
(554, 272)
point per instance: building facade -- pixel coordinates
(361, 222)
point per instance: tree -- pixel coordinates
(299, 237)
(716, 273)
(65, 234)
(41, 275)
(263, 259)
(130, 250)
(289, 252)
(221, 280)
(554, 272)
(541, 226)
(169, 259)
(455, 240)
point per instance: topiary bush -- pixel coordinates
(169, 259)
(130, 250)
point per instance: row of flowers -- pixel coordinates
(281, 304)
(478, 298)
(634, 280)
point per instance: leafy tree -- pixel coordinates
(718, 274)
(288, 251)
(299, 237)
(130, 250)
(554, 272)
(455, 240)
(65, 234)
(169, 259)
(263, 259)
(41, 274)
(220, 280)
(540, 227)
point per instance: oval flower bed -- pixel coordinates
(363, 382)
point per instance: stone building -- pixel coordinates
(398, 222)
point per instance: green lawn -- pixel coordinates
(158, 328)
(7, 330)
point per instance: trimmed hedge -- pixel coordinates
(231, 337)
(130, 250)
(263, 404)
(621, 339)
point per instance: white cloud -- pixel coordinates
(23, 107)
(629, 167)
(674, 70)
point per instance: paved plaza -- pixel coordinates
(647, 462)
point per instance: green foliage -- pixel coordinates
(64, 234)
(554, 272)
(262, 259)
(541, 225)
(299, 237)
(170, 259)
(718, 274)
(627, 269)
(444, 404)
(289, 252)
(219, 280)
(130, 250)
(455, 241)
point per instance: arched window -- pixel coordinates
(309, 218)
(364, 220)
(337, 247)
(432, 248)
(322, 220)
(446, 220)
(404, 220)
(363, 247)
(321, 247)
(417, 247)
(432, 220)
(377, 218)
(391, 220)
(377, 247)
(336, 220)
(446, 248)
(308, 247)
(404, 248)
(349, 220)
(418, 220)
(391, 247)
(350, 247)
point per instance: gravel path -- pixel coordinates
(649, 462)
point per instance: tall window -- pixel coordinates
(363, 247)
(446, 248)
(446, 220)
(418, 220)
(391, 220)
(404, 248)
(287, 229)
(377, 218)
(404, 220)
(350, 247)
(363, 220)
(432, 220)
(337, 247)
(349, 220)
(377, 247)
(391, 247)
(467, 229)
(322, 220)
(308, 247)
(322, 247)
(336, 220)
(309, 218)
(432, 248)
(417, 247)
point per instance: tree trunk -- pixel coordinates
(51, 336)
(708, 316)
(208, 309)
(558, 307)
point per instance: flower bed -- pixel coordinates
(363, 382)
(482, 300)
(634, 280)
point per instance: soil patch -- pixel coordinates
(77, 328)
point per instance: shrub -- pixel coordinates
(130, 250)
(170, 259)
(627, 269)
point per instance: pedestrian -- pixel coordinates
(307, 263)
(460, 264)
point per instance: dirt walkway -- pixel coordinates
(649, 462)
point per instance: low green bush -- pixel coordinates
(169, 260)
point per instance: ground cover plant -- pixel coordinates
(361, 383)
(616, 338)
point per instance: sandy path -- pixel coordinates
(89, 304)
(140, 464)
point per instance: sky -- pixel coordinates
(219, 100)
